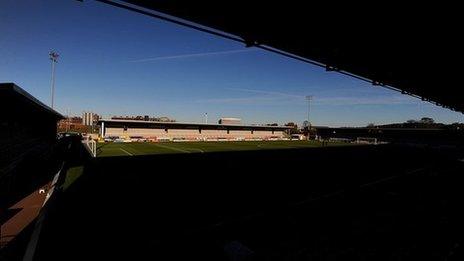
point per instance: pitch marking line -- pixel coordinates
(130, 154)
(171, 148)
(201, 151)
(277, 146)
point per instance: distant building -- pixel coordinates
(230, 121)
(142, 118)
(87, 118)
(122, 118)
(75, 124)
(75, 120)
(95, 118)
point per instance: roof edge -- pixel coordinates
(15, 88)
(193, 123)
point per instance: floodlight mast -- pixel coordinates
(54, 58)
(309, 98)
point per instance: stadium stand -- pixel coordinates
(279, 208)
(188, 131)
(434, 136)
(27, 140)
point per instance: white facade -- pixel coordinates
(193, 134)
(156, 131)
(87, 118)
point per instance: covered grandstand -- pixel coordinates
(28, 127)
(28, 146)
(157, 131)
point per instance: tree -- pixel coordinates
(306, 124)
(294, 128)
(427, 120)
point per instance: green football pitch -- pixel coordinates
(147, 148)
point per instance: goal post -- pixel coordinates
(91, 147)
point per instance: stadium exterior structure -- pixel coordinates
(135, 130)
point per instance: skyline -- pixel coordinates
(122, 63)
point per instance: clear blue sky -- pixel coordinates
(116, 62)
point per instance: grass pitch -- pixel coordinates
(147, 148)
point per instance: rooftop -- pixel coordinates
(16, 91)
(192, 124)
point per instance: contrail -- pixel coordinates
(266, 92)
(181, 56)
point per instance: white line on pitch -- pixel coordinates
(167, 147)
(197, 150)
(126, 152)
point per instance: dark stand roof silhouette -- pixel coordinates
(15, 100)
(413, 49)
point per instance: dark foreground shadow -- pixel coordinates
(366, 203)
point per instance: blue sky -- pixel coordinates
(115, 62)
